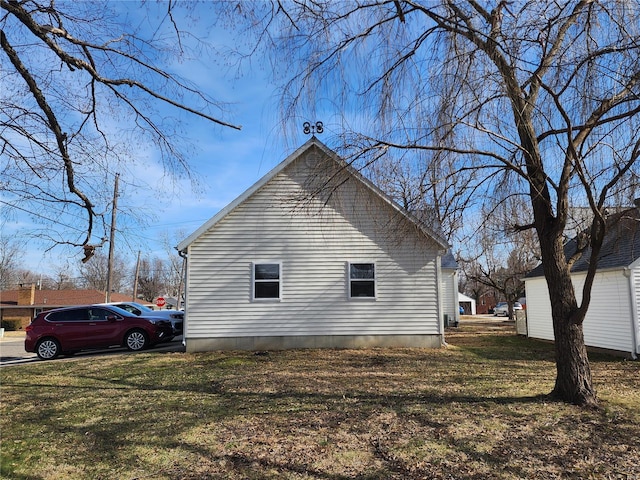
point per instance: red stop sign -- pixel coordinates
(160, 302)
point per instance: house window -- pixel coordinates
(362, 280)
(266, 281)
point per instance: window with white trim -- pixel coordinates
(362, 280)
(266, 281)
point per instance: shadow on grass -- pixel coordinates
(222, 402)
(106, 411)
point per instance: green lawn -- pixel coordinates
(473, 410)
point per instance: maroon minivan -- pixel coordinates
(69, 330)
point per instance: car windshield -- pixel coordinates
(144, 308)
(117, 310)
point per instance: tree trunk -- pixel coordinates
(573, 377)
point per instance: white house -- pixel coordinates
(612, 319)
(468, 303)
(450, 306)
(313, 255)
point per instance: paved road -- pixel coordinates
(12, 350)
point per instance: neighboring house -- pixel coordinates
(468, 303)
(450, 306)
(612, 319)
(313, 255)
(486, 302)
(20, 306)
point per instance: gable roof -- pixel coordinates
(465, 298)
(448, 261)
(313, 142)
(59, 298)
(620, 248)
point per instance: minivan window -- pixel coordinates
(99, 314)
(75, 315)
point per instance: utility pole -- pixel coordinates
(112, 236)
(135, 281)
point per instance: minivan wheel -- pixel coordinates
(48, 349)
(136, 340)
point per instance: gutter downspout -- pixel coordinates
(185, 267)
(456, 299)
(634, 313)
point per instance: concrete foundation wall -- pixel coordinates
(320, 341)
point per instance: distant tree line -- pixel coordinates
(156, 276)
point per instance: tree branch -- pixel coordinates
(54, 126)
(73, 62)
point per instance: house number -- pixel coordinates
(308, 128)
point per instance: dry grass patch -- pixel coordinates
(473, 410)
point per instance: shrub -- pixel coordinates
(11, 325)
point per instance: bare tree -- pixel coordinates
(505, 279)
(11, 253)
(94, 274)
(174, 264)
(496, 255)
(63, 278)
(27, 277)
(409, 181)
(80, 83)
(469, 284)
(151, 278)
(536, 99)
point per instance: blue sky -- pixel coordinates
(224, 161)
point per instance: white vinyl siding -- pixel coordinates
(608, 321)
(449, 292)
(538, 310)
(635, 302)
(313, 238)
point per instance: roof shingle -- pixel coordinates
(61, 298)
(620, 248)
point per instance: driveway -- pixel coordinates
(12, 350)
